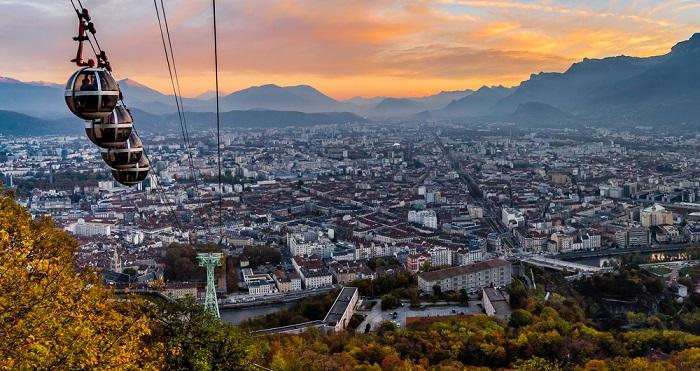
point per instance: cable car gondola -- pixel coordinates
(133, 175)
(91, 93)
(126, 155)
(111, 131)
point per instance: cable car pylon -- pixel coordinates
(210, 261)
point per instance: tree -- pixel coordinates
(463, 297)
(196, 340)
(181, 262)
(437, 290)
(520, 318)
(231, 274)
(54, 318)
(262, 255)
(387, 326)
(518, 294)
(390, 301)
(415, 299)
(537, 364)
(130, 271)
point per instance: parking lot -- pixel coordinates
(376, 316)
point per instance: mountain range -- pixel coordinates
(620, 90)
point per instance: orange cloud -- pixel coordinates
(345, 48)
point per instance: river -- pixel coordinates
(238, 315)
(652, 258)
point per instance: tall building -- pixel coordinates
(655, 215)
(116, 263)
(512, 218)
(440, 256)
(95, 227)
(426, 218)
(634, 235)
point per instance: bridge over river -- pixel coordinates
(656, 248)
(560, 265)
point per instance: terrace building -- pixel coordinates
(473, 277)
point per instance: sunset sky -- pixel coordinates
(344, 48)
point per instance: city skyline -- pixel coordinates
(381, 48)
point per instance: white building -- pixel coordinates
(258, 284)
(312, 272)
(512, 218)
(440, 256)
(310, 243)
(316, 279)
(261, 287)
(180, 290)
(91, 228)
(374, 250)
(426, 218)
(287, 282)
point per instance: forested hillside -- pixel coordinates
(53, 317)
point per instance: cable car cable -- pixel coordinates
(177, 92)
(93, 35)
(97, 55)
(218, 125)
(159, 188)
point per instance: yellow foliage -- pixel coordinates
(52, 317)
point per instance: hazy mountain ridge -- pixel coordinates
(479, 103)
(390, 106)
(620, 89)
(32, 99)
(242, 119)
(14, 123)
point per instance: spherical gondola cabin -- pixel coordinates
(91, 93)
(111, 131)
(126, 155)
(133, 175)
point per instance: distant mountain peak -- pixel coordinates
(692, 45)
(8, 80)
(133, 83)
(275, 86)
(206, 95)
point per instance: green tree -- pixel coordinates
(463, 297)
(390, 301)
(437, 291)
(258, 255)
(196, 340)
(520, 318)
(537, 364)
(518, 294)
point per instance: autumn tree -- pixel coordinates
(196, 340)
(53, 317)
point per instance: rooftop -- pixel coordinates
(461, 270)
(339, 306)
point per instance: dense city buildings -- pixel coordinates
(332, 201)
